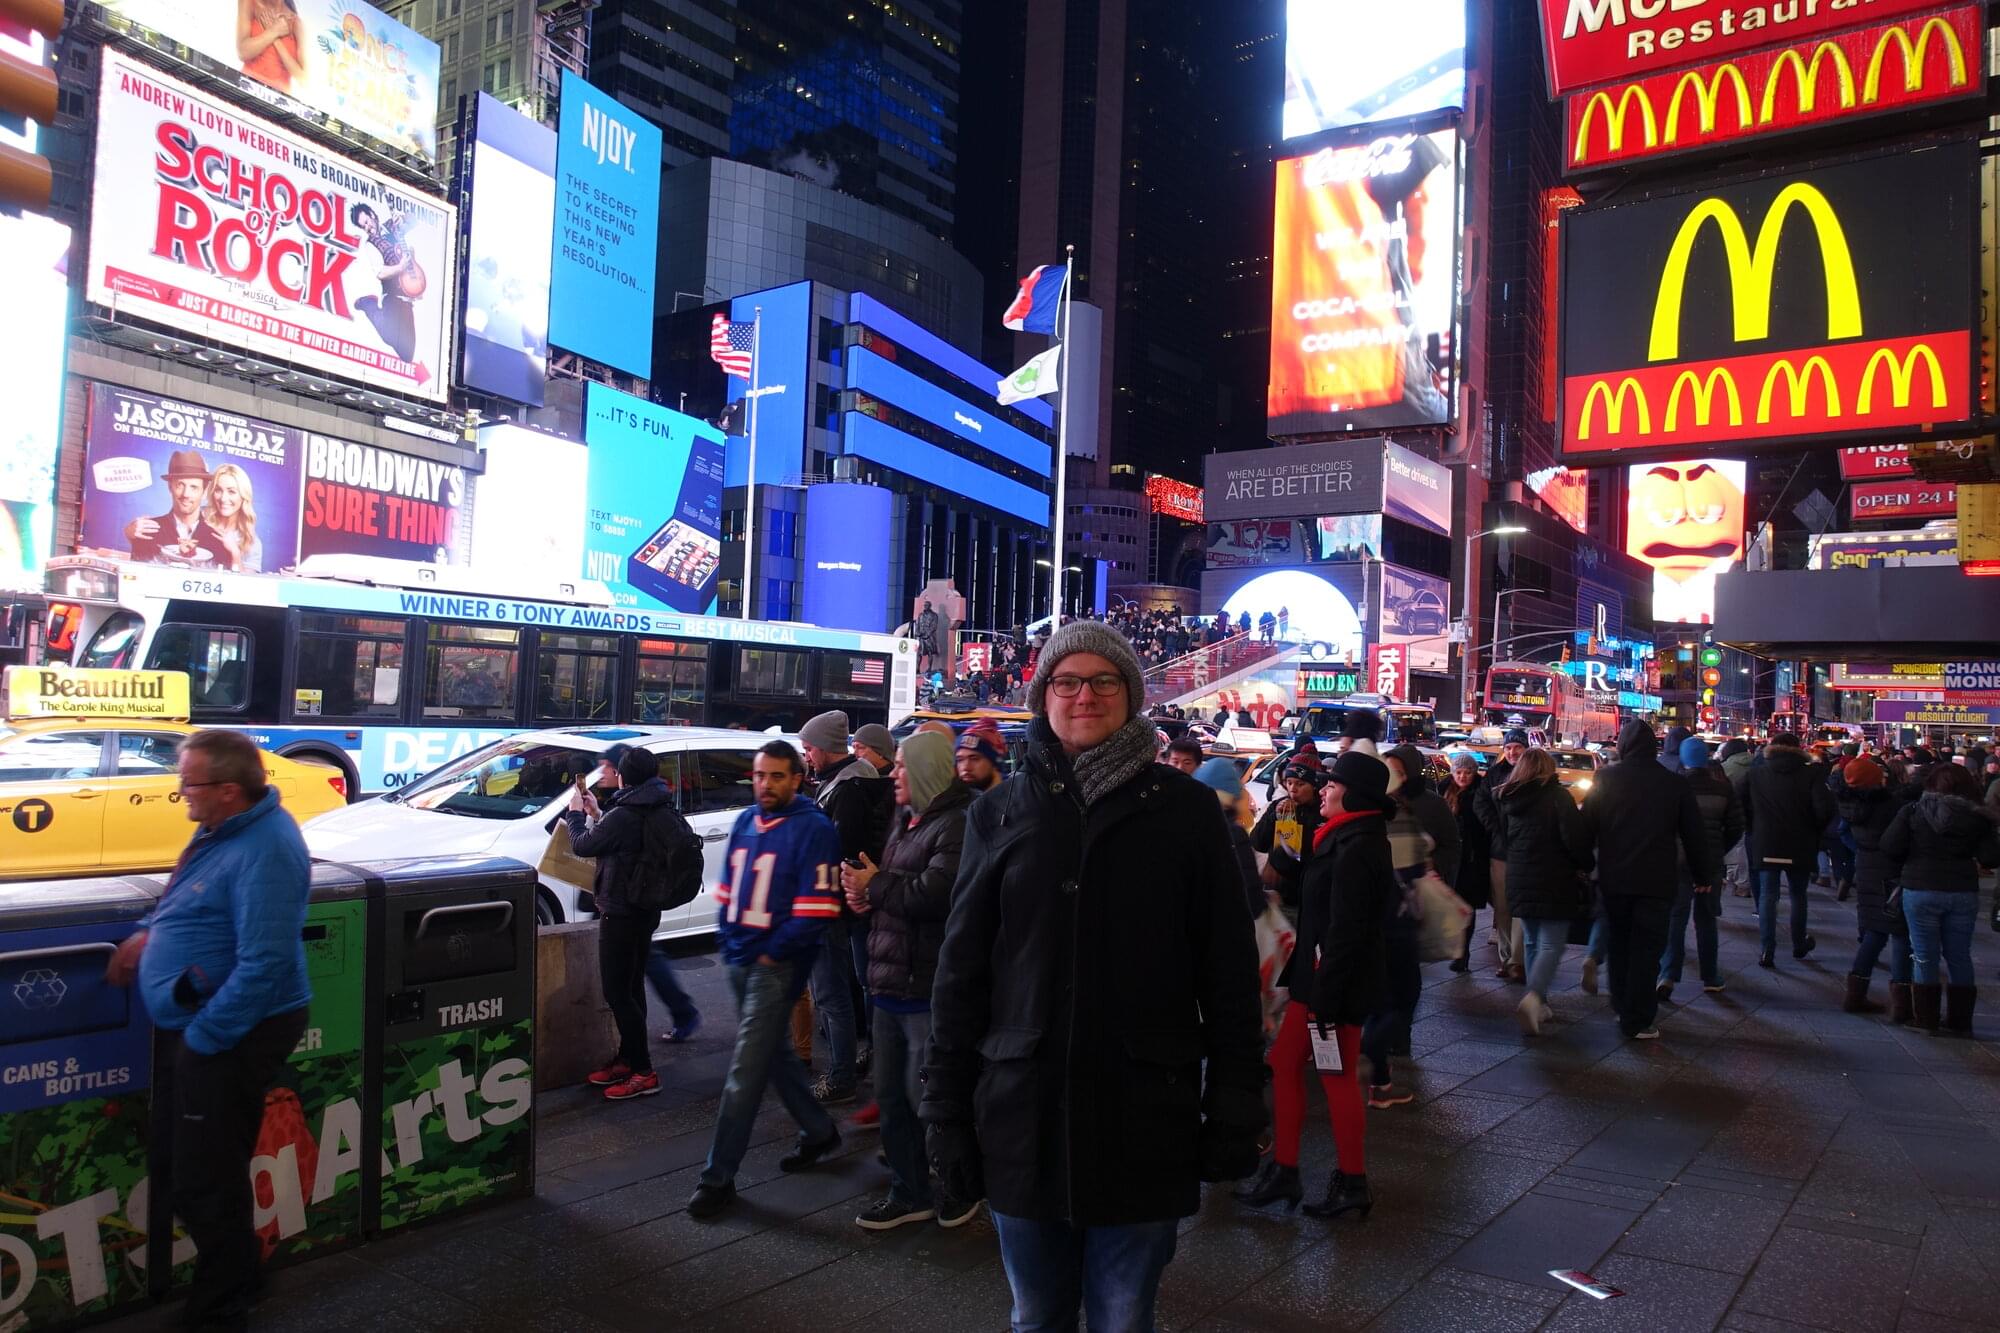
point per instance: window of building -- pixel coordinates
(500, 27)
(348, 666)
(498, 75)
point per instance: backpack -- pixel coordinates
(670, 867)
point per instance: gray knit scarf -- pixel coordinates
(1123, 755)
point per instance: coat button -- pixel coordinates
(1069, 886)
(1056, 787)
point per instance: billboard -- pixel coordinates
(1803, 306)
(1903, 499)
(32, 341)
(1601, 41)
(1388, 671)
(1350, 62)
(360, 500)
(1272, 541)
(654, 503)
(784, 383)
(510, 232)
(1890, 67)
(1173, 499)
(1321, 603)
(1566, 491)
(212, 220)
(344, 59)
(1417, 490)
(1864, 550)
(607, 228)
(1875, 460)
(1347, 537)
(846, 563)
(176, 484)
(1364, 285)
(1299, 481)
(544, 477)
(1415, 617)
(1923, 713)
(1686, 520)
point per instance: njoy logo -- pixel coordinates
(40, 988)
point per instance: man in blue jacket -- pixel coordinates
(222, 971)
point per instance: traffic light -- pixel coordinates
(27, 92)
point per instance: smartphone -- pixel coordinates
(1585, 1283)
(582, 779)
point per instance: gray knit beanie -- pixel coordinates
(828, 731)
(1088, 636)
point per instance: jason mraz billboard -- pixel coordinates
(1803, 306)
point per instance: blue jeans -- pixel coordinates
(1872, 942)
(1767, 905)
(1543, 939)
(1113, 1273)
(900, 1040)
(765, 995)
(833, 1002)
(667, 985)
(1704, 908)
(1940, 923)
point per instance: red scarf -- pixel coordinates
(1343, 818)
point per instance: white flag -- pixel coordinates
(1032, 380)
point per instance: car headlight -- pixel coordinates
(1582, 783)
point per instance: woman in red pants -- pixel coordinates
(1338, 976)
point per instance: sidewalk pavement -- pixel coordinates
(1770, 1165)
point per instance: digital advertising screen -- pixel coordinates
(1350, 62)
(653, 530)
(1800, 307)
(342, 58)
(1322, 603)
(607, 228)
(360, 500)
(1417, 490)
(531, 504)
(32, 342)
(214, 221)
(511, 230)
(1295, 481)
(846, 567)
(1686, 520)
(1280, 541)
(1566, 491)
(784, 380)
(1416, 613)
(1364, 286)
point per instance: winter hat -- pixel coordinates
(1415, 779)
(983, 737)
(1088, 636)
(1364, 775)
(828, 731)
(1465, 759)
(926, 760)
(1863, 772)
(1693, 754)
(1516, 736)
(1220, 774)
(877, 738)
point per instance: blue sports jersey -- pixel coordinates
(782, 885)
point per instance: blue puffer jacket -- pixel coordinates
(230, 923)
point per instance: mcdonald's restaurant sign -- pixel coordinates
(1906, 65)
(1590, 42)
(1805, 306)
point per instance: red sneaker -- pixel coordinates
(868, 1117)
(639, 1085)
(615, 1072)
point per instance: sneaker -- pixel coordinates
(951, 1213)
(710, 1200)
(864, 1056)
(1647, 1033)
(1806, 948)
(1712, 987)
(615, 1072)
(1528, 1013)
(888, 1215)
(1590, 976)
(827, 1093)
(682, 1032)
(868, 1117)
(807, 1153)
(1385, 1095)
(638, 1085)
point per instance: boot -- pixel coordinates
(1899, 1002)
(1846, 888)
(1857, 1001)
(1344, 1194)
(1958, 1009)
(1924, 1001)
(1275, 1183)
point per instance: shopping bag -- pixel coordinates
(1275, 939)
(560, 861)
(1441, 930)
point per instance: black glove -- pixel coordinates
(954, 1154)
(1227, 1152)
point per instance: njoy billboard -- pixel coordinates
(1801, 306)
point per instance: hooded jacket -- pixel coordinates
(1721, 818)
(1548, 852)
(1935, 841)
(617, 840)
(1641, 820)
(910, 896)
(860, 802)
(1869, 811)
(1786, 805)
(1670, 753)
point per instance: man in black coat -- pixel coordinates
(1786, 805)
(1096, 956)
(1642, 820)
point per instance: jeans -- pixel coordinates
(900, 1040)
(623, 945)
(857, 952)
(1544, 938)
(1594, 947)
(1767, 905)
(1635, 935)
(833, 1002)
(764, 994)
(667, 985)
(1871, 949)
(1940, 922)
(1406, 987)
(1113, 1273)
(1704, 908)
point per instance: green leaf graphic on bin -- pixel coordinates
(69, 1171)
(455, 1120)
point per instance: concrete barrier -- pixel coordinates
(574, 1032)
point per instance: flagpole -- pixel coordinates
(1062, 444)
(750, 493)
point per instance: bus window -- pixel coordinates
(673, 681)
(115, 644)
(1414, 726)
(354, 663)
(470, 671)
(217, 660)
(574, 675)
(772, 671)
(854, 677)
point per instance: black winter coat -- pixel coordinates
(1475, 854)
(1935, 840)
(1721, 819)
(1290, 870)
(1246, 867)
(617, 841)
(1642, 820)
(1094, 960)
(1869, 811)
(1786, 805)
(910, 896)
(1548, 853)
(1485, 802)
(861, 803)
(1340, 967)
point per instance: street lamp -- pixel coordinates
(1466, 651)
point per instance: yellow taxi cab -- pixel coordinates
(1576, 769)
(90, 777)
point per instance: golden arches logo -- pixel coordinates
(1707, 95)
(1750, 270)
(1614, 118)
(1799, 380)
(1902, 376)
(1913, 57)
(1703, 393)
(1805, 77)
(1614, 407)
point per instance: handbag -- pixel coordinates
(1275, 941)
(1443, 921)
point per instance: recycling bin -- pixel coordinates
(456, 1089)
(75, 1070)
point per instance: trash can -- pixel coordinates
(75, 1069)
(456, 1094)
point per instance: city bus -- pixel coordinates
(1542, 698)
(385, 669)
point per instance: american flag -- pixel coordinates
(729, 344)
(867, 672)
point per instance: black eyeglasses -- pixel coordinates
(1068, 687)
(190, 786)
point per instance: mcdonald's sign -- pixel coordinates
(1911, 64)
(1798, 307)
